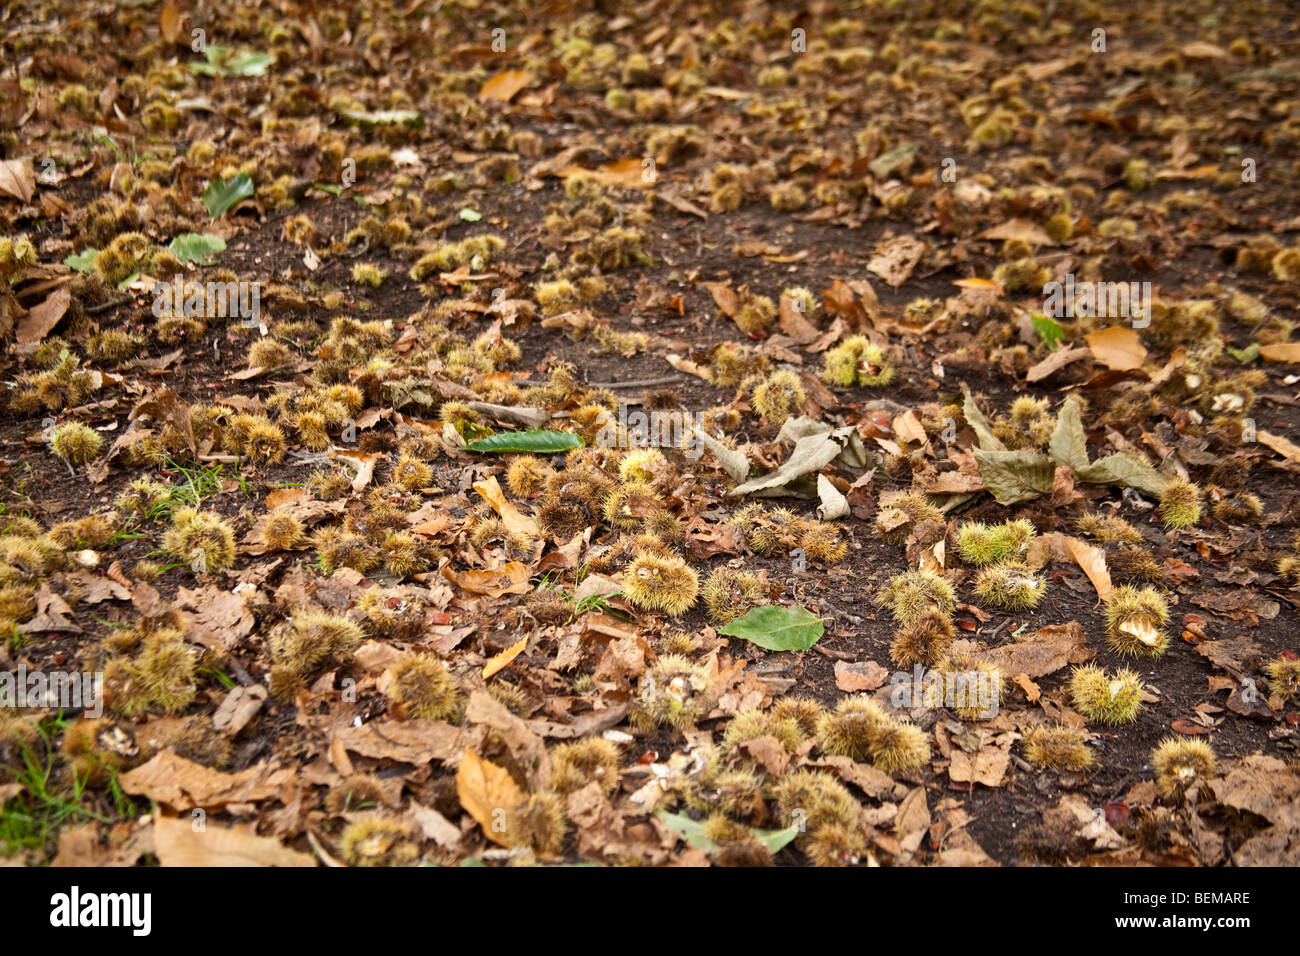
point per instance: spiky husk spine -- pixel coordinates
(1058, 748)
(1182, 764)
(655, 582)
(1104, 699)
(1135, 621)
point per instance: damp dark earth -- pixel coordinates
(679, 434)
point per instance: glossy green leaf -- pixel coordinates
(533, 441)
(222, 194)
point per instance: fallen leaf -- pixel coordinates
(505, 85)
(491, 492)
(509, 578)
(488, 794)
(1283, 446)
(183, 784)
(177, 843)
(43, 317)
(17, 179)
(866, 675)
(895, 259)
(1117, 347)
(240, 706)
(1032, 690)
(795, 324)
(1282, 352)
(501, 661)
(1054, 362)
(1042, 652)
(1093, 562)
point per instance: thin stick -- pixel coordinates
(638, 383)
(104, 307)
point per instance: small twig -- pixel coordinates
(638, 383)
(105, 306)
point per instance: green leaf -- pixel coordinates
(222, 194)
(470, 215)
(976, 420)
(1247, 355)
(250, 64)
(332, 190)
(882, 166)
(219, 63)
(689, 830)
(1127, 471)
(776, 840)
(1069, 445)
(196, 247)
(1047, 329)
(384, 117)
(535, 441)
(129, 280)
(777, 628)
(83, 261)
(1015, 476)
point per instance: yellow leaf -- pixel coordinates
(1282, 352)
(977, 284)
(629, 173)
(171, 22)
(510, 516)
(1117, 348)
(488, 794)
(504, 86)
(502, 661)
(1093, 562)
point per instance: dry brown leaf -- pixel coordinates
(795, 324)
(406, 741)
(363, 462)
(1055, 362)
(986, 285)
(17, 179)
(43, 317)
(285, 496)
(691, 368)
(908, 428)
(1283, 446)
(509, 578)
(895, 259)
(178, 843)
(183, 784)
(1025, 229)
(505, 85)
(1117, 348)
(1032, 690)
(863, 675)
(987, 766)
(1043, 652)
(724, 297)
(487, 794)
(239, 707)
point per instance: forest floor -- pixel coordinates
(331, 627)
